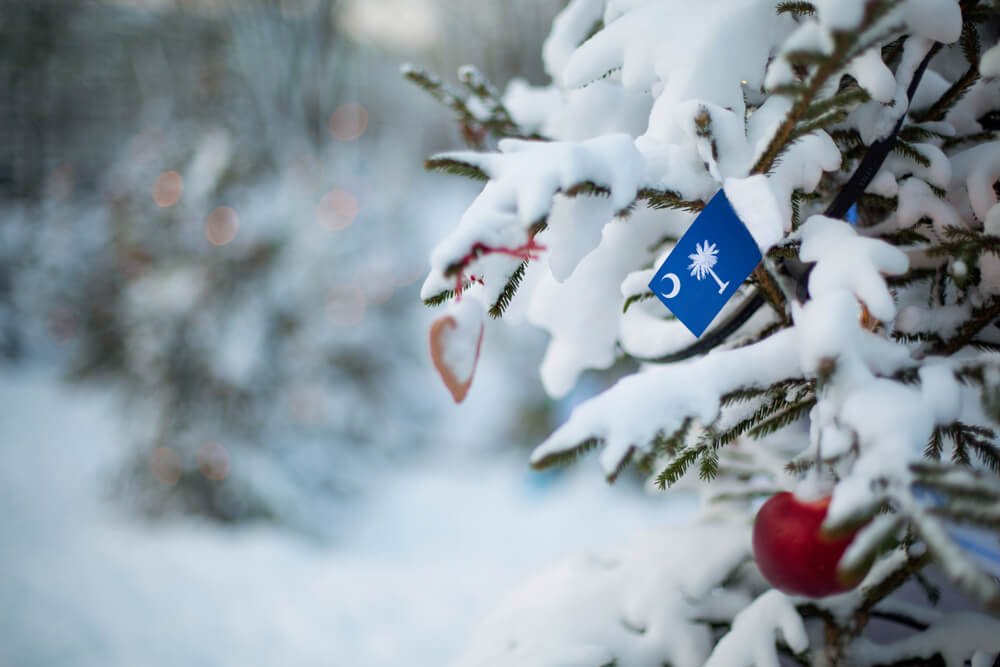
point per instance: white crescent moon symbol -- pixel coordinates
(676, 287)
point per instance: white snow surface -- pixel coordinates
(415, 572)
(836, 247)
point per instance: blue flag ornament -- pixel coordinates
(707, 266)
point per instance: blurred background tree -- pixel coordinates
(215, 202)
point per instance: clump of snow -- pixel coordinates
(936, 20)
(751, 641)
(755, 204)
(840, 14)
(989, 64)
(836, 247)
(873, 75)
(569, 28)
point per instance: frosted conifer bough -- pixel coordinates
(876, 353)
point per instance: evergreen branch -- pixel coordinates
(783, 252)
(766, 332)
(988, 453)
(971, 46)
(645, 296)
(910, 152)
(916, 337)
(981, 318)
(872, 595)
(703, 130)
(622, 463)
(510, 287)
(935, 445)
(673, 444)
(916, 134)
(664, 240)
(804, 58)
(932, 592)
(769, 287)
(879, 202)
(963, 241)
(507, 293)
(905, 236)
(474, 126)
(950, 97)
(500, 121)
(892, 51)
(440, 299)
(796, 9)
(817, 124)
(587, 188)
(848, 138)
(438, 91)
(673, 472)
(767, 409)
(969, 513)
(975, 137)
(708, 468)
(566, 456)
(741, 394)
(957, 481)
(984, 346)
(844, 98)
(900, 618)
(457, 167)
(846, 46)
(791, 415)
(661, 199)
(910, 277)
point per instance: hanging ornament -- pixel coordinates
(792, 551)
(455, 339)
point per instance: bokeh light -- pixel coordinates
(213, 461)
(348, 121)
(337, 209)
(166, 465)
(167, 189)
(221, 225)
(345, 306)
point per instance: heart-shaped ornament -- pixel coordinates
(455, 339)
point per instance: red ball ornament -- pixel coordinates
(794, 554)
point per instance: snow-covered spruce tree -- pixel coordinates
(857, 366)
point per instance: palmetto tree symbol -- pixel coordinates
(702, 262)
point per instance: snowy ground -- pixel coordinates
(433, 549)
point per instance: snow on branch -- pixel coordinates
(629, 415)
(751, 642)
(651, 602)
(516, 202)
